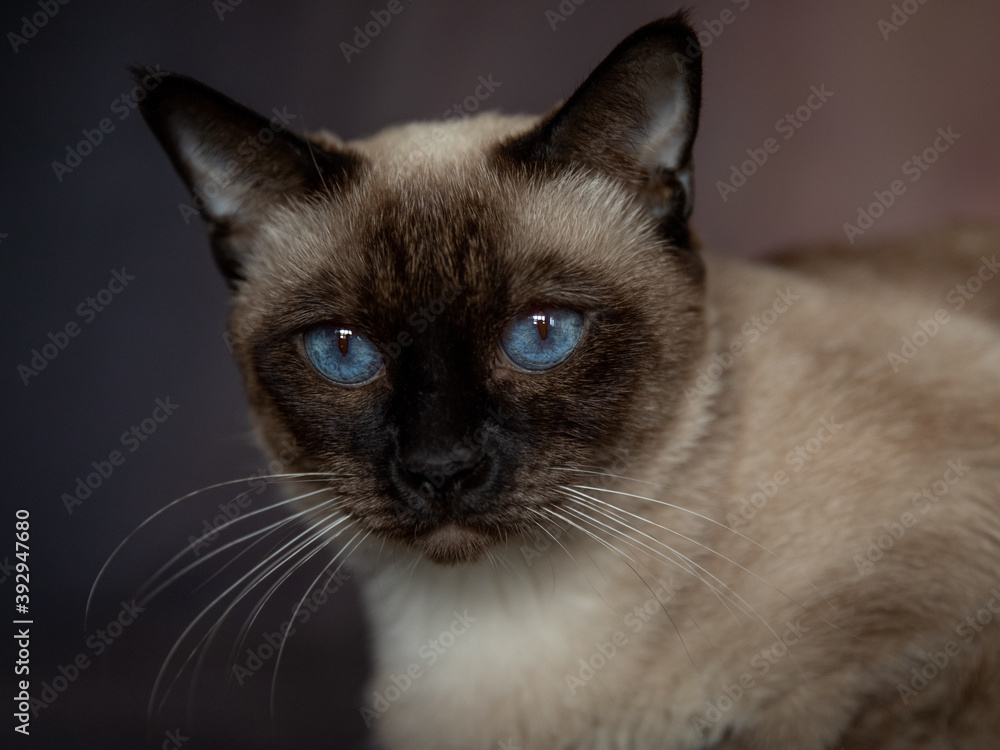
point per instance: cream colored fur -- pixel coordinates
(792, 566)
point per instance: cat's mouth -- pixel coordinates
(452, 543)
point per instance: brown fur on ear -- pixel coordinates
(634, 118)
(236, 163)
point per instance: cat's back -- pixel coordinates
(902, 340)
(888, 318)
(956, 266)
(868, 406)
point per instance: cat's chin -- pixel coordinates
(451, 544)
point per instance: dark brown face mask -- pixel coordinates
(417, 336)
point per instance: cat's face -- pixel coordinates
(447, 335)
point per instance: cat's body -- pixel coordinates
(854, 638)
(670, 537)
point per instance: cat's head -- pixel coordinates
(447, 316)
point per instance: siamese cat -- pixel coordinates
(602, 490)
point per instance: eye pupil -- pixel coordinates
(344, 341)
(542, 322)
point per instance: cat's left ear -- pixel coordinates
(634, 118)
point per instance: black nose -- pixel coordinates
(441, 474)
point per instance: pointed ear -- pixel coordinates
(236, 163)
(634, 118)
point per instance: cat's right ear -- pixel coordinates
(634, 119)
(236, 163)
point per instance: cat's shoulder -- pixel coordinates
(957, 264)
(853, 297)
(901, 337)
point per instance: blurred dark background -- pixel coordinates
(63, 235)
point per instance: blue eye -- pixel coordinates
(343, 355)
(541, 340)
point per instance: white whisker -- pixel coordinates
(633, 543)
(306, 517)
(591, 534)
(264, 530)
(205, 643)
(285, 576)
(740, 602)
(272, 565)
(168, 506)
(687, 538)
(628, 561)
(665, 528)
(680, 508)
(268, 564)
(298, 607)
